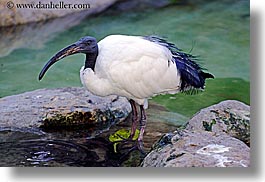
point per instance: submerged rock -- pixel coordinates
(61, 108)
(217, 136)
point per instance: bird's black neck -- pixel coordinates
(91, 59)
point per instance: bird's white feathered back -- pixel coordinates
(133, 67)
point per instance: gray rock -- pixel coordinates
(199, 149)
(230, 117)
(15, 16)
(61, 108)
(210, 139)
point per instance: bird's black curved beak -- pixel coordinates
(69, 50)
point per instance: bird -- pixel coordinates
(135, 67)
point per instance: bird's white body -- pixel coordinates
(132, 67)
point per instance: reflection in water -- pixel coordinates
(55, 153)
(49, 151)
(75, 148)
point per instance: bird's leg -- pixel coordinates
(134, 124)
(142, 123)
(134, 119)
(142, 127)
(138, 145)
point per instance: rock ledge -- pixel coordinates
(61, 108)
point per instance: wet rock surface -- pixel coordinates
(217, 136)
(61, 108)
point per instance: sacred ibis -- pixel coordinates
(135, 67)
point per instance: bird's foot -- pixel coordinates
(126, 147)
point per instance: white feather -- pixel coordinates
(132, 67)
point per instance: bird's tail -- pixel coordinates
(191, 74)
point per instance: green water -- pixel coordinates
(216, 31)
(216, 90)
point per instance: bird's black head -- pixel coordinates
(86, 45)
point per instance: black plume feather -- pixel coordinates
(191, 74)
